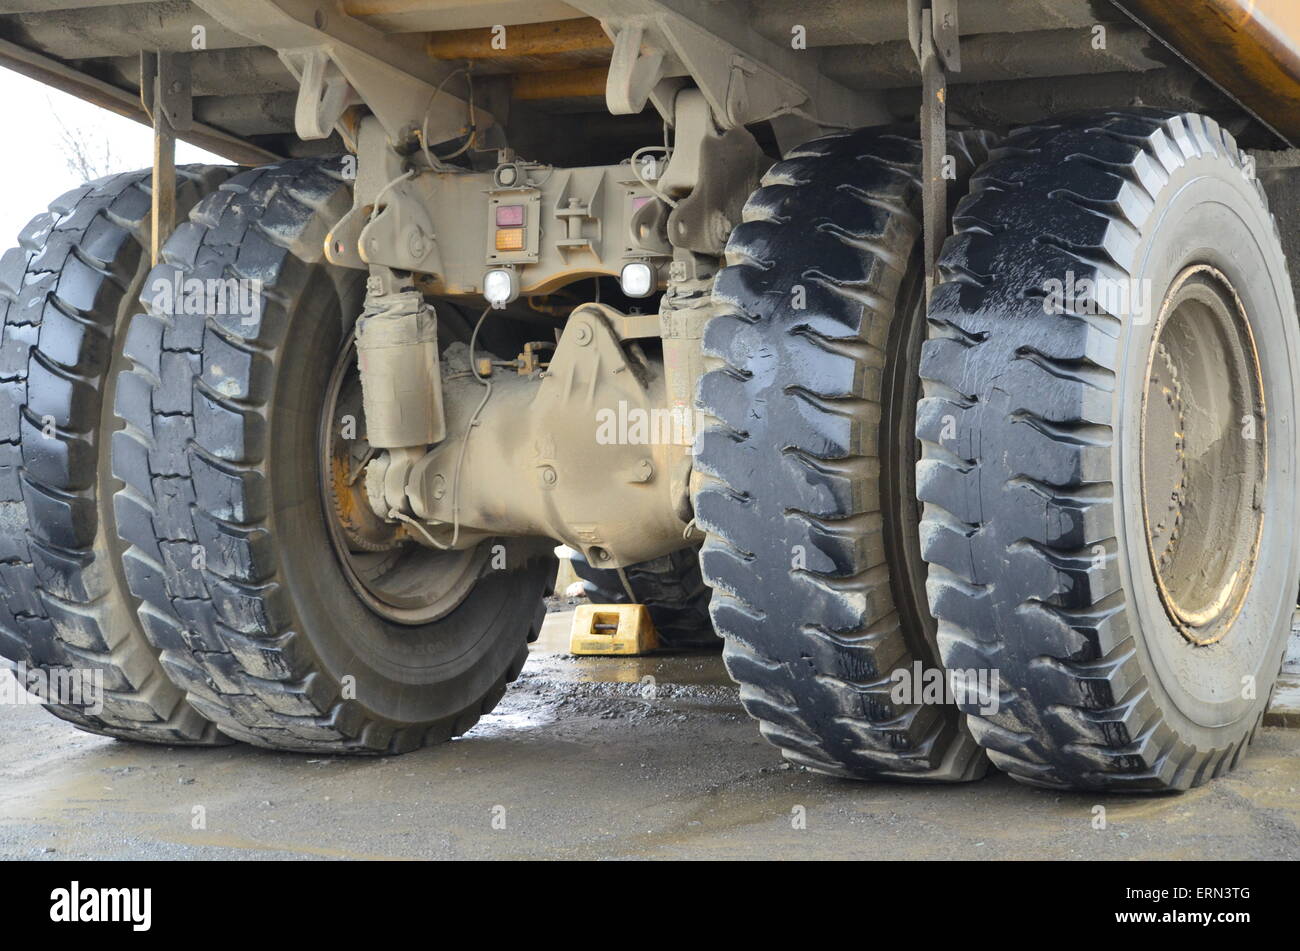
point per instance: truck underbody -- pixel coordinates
(917, 329)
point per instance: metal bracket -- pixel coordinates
(933, 30)
(165, 82)
(711, 174)
(634, 71)
(166, 93)
(944, 32)
(392, 74)
(323, 92)
(745, 77)
(577, 209)
(740, 89)
(400, 233)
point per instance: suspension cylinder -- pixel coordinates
(401, 386)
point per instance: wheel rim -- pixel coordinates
(900, 450)
(1204, 454)
(397, 578)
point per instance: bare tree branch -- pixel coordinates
(88, 155)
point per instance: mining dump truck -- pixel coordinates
(893, 345)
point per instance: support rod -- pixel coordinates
(166, 94)
(163, 218)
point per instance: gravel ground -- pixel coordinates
(585, 758)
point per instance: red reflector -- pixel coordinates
(510, 216)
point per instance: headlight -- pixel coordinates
(500, 287)
(637, 279)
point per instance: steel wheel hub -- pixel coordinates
(1204, 454)
(398, 579)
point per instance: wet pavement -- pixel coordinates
(593, 758)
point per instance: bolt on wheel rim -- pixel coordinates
(1204, 454)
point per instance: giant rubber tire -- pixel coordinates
(65, 292)
(806, 465)
(672, 589)
(220, 454)
(1036, 572)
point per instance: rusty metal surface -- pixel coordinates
(1250, 48)
(521, 50)
(526, 39)
(561, 84)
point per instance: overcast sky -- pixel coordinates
(33, 164)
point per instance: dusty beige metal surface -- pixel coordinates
(578, 223)
(997, 57)
(1015, 52)
(585, 453)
